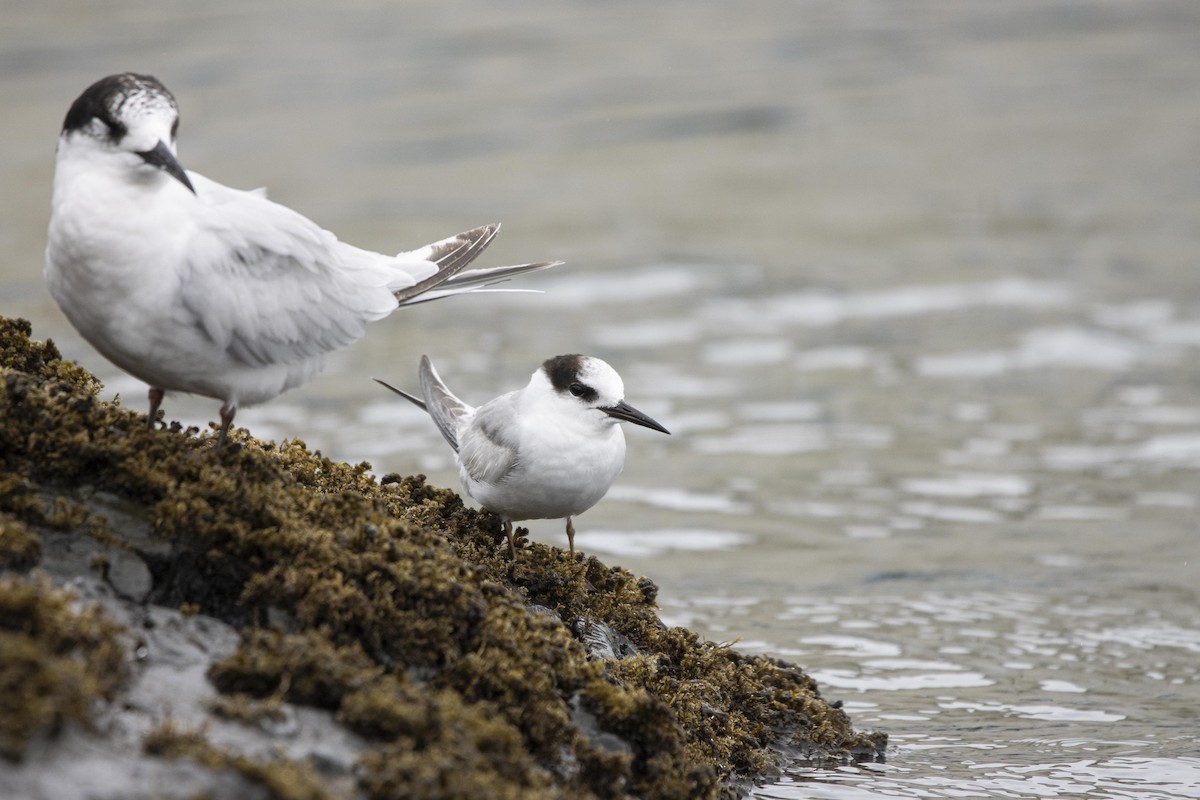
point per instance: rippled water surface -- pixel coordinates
(914, 287)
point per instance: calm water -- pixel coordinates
(914, 286)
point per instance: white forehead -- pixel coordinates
(145, 103)
(149, 115)
(600, 376)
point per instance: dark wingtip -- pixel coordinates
(418, 402)
(451, 255)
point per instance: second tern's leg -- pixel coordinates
(156, 398)
(571, 537)
(508, 532)
(227, 412)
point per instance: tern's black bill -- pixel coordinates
(626, 412)
(162, 157)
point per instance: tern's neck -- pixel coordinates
(119, 182)
(113, 225)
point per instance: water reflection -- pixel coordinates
(1078, 777)
(1012, 682)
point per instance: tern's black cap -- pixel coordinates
(104, 98)
(564, 371)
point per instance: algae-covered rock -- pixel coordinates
(54, 662)
(338, 636)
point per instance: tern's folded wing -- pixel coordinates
(270, 286)
(449, 413)
(488, 448)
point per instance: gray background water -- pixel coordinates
(914, 285)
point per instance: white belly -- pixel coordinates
(563, 481)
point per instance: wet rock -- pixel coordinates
(264, 622)
(601, 640)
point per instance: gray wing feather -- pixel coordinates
(483, 437)
(451, 255)
(479, 280)
(270, 286)
(442, 404)
(490, 451)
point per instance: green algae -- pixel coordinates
(391, 604)
(439, 746)
(302, 668)
(280, 778)
(20, 547)
(249, 710)
(55, 662)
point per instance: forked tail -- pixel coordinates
(452, 255)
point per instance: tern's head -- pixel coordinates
(587, 385)
(127, 116)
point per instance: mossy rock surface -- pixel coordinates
(387, 605)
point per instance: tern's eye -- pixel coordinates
(106, 128)
(99, 128)
(577, 389)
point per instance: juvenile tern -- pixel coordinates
(548, 451)
(192, 286)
